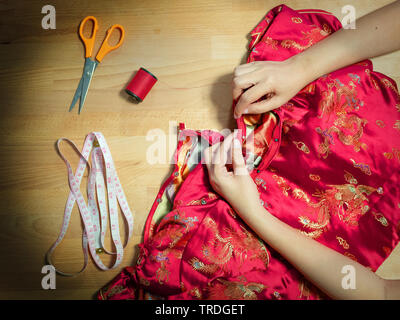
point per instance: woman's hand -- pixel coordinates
(279, 80)
(237, 187)
(376, 34)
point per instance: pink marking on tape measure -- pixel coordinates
(93, 233)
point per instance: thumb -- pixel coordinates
(239, 166)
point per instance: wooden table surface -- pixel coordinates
(192, 47)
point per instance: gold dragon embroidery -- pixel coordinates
(220, 249)
(348, 128)
(235, 290)
(310, 37)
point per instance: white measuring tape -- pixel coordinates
(94, 232)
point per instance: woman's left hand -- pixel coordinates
(237, 187)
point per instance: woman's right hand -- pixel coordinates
(279, 80)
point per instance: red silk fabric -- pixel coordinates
(330, 168)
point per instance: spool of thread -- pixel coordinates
(141, 84)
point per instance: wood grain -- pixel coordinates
(192, 47)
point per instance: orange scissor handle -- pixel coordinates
(105, 47)
(88, 42)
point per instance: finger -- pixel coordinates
(239, 166)
(248, 97)
(244, 68)
(243, 78)
(207, 158)
(239, 84)
(209, 155)
(264, 105)
(221, 155)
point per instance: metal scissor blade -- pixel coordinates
(88, 71)
(78, 92)
(77, 95)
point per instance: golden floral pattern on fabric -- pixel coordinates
(287, 124)
(346, 201)
(395, 154)
(380, 123)
(388, 84)
(282, 184)
(323, 148)
(243, 245)
(198, 265)
(297, 20)
(114, 290)
(235, 290)
(397, 125)
(374, 82)
(346, 139)
(317, 228)
(380, 218)
(307, 290)
(335, 102)
(300, 194)
(342, 242)
(202, 201)
(310, 89)
(310, 37)
(174, 237)
(362, 166)
(271, 42)
(338, 103)
(348, 122)
(349, 177)
(314, 177)
(162, 273)
(302, 146)
(350, 255)
(195, 292)
(107, 292)
(219, 250)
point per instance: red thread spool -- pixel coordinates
(141, 84)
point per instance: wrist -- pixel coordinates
(257, 218)
(303, 68)
(248, 209)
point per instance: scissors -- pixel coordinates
(91, 65)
